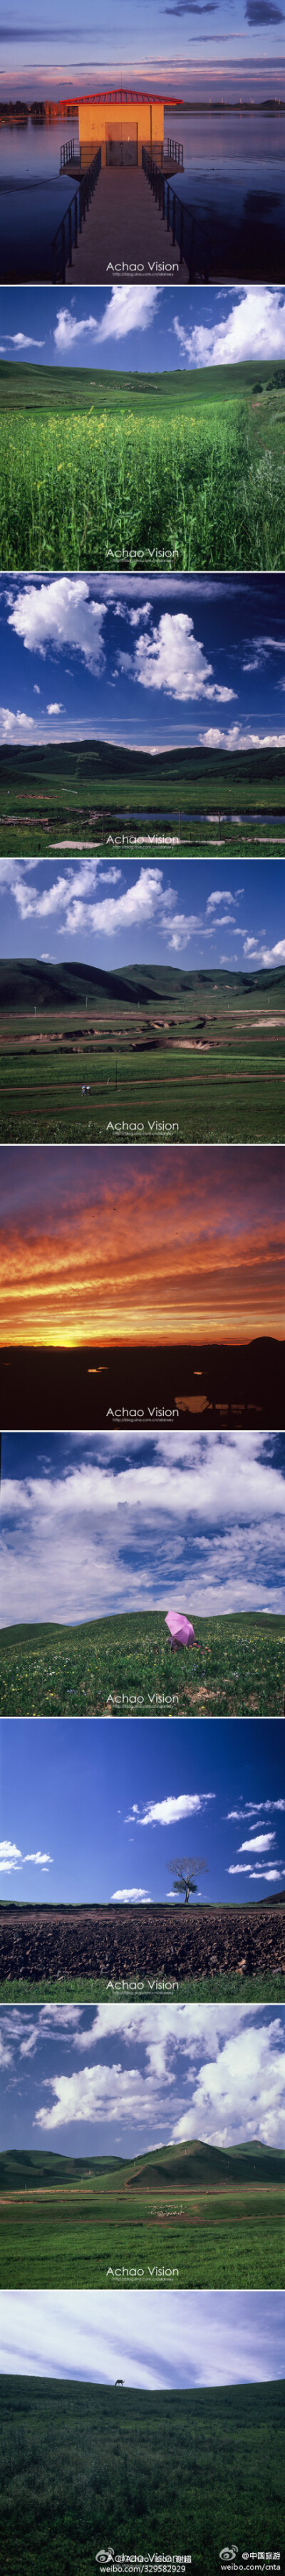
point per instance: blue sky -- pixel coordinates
(144, 328)
(149, 661)
(124, 2078)
(94, 1525)
(167, 911)
(168, 2339)
(96, 1809)
(185, 46)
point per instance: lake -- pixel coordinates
(33, 197)
(233, 178)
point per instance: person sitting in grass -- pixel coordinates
(181, 1631)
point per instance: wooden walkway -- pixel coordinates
(124, 235)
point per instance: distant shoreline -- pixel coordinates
(51, 111)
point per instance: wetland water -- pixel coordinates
(233, 179)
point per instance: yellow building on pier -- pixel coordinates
(121, 121)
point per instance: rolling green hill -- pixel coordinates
(27, 387)
(188, 2165)
(194, 2163)
(23, 2166)
(26, 981)
(116, 773)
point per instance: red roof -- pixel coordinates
(132, 98)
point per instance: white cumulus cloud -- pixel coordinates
(254, 328)
(12, 1859)
(262, 956)
(172, 658)
(62, 614)
(206, 1517)
(178, 2071)
(237, 738)
(258, 1842)
(11, 724)
(129, 308)
(243, 1870)
(216, 898)
(169, 1811)
(147, 900)
(130, 1896)
(241, 2093)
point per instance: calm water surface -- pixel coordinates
(33, 197)
(196, 814)
(234, 178)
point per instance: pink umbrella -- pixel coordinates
(180, 1629)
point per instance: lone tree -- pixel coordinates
(184, 1883)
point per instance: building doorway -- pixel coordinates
(121, 145)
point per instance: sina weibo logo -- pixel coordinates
(228, 2557)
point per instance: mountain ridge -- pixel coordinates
(29, 981)
(205, 2164)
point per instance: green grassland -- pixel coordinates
(159, 1096)
(236, 798)
(222, 1988)
(128, 1660)
(128, 469)
(67, 2248)
(212, 1076)
(188, 2218)
(85, 2467)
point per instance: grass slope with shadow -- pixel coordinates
(85, 2467)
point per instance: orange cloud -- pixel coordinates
(171, 1248)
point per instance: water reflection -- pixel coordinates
(233, 178)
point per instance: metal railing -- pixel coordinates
(66, 238)
(170, 152)
(175, 152)
(180, 220)
(68, 153)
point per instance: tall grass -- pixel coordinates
(93, 489)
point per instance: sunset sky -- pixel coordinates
(123, 1247)
(203, 48)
